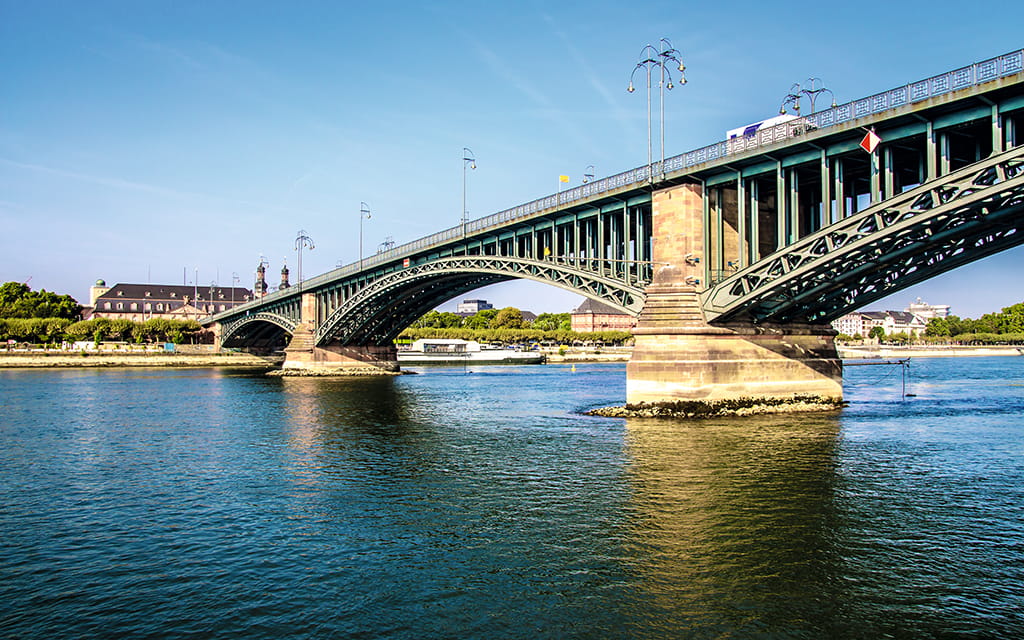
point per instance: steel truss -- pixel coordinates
(234, 328)
(945, 223)
(377, 313)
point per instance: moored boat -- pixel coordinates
(452, 351)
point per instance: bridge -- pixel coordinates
(735, 256)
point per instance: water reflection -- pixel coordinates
(731, 524)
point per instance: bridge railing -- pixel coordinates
(977, 73)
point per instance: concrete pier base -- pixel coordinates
(677, 356)
(302, 354)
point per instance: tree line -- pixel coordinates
(56, 330)
(506, 325)
(17, 300)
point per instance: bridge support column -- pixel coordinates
(678, 356)
(303, 354)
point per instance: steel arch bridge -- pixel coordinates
(793, 224)
(381, 309)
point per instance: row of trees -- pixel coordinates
(518, 336)
(1008, 321)
(54, 330)
(506, 325)
(507, 318)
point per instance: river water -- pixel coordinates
(479, 503)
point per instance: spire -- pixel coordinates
(284, 277)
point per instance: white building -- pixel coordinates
(470, 307)
(908, 322)
(928, 311)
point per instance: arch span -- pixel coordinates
(379, 312)
(259, 328)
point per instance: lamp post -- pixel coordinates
(588, 174)
(660, 57)
(812, 91)
(302, 240)
(364, 214)
(234, 281)
(468, 160)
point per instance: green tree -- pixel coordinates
(438, 320)
(552, 322)
(877, 333)
(1011, 319)
(17, 300)
(508, 318)
(480, 319)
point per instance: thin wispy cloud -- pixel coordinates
(141, 187)
(620, 114)
(539, 98)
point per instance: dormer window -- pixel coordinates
(120, 293)
(147, 294)
(174, 295)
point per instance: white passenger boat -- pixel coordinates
(451, 351)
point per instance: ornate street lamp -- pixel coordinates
(302, 240)
(660, 58)
(364, 214)
(588, 174)
(812, 91)
(467, 161)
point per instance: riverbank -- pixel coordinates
(64, 359)
(930, 351)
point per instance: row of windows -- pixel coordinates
(134, 306)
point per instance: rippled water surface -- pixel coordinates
(478, 502)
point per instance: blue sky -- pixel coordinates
(144, 140)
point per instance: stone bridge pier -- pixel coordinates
(678, 356)
(303, 353)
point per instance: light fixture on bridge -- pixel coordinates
(691, 259)
(468, 160)
(588, 174)
(660, 57)
(302, 239)
(692, 281)
(812, 91)
(364, 214)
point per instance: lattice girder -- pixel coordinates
(231, 329)
(953, 220)
(375, 312)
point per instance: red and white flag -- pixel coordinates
(870, 142)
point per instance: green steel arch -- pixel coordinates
(257, 326)
(384, 307)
